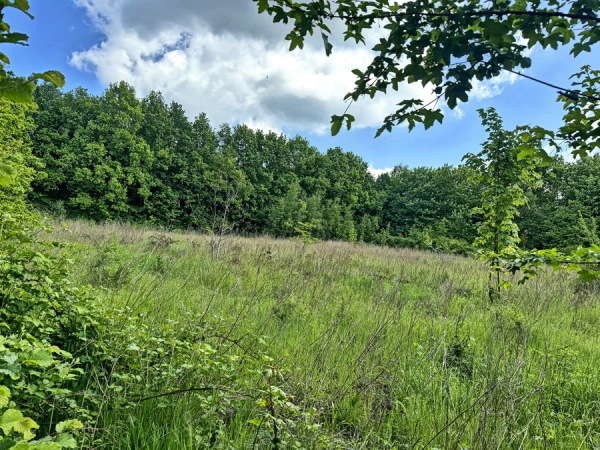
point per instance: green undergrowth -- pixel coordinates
(281, 344)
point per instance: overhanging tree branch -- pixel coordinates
(431, 35)
(561, 90)
(486, 13)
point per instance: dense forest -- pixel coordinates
(116, 157)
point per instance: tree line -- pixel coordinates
(118, 157)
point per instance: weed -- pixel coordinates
(373, 348)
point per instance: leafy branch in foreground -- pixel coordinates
(445, 46)
(581, 127)
(18, 89)
(13, 88)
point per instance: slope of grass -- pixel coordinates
(380, 348)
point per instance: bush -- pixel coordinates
(43, 319)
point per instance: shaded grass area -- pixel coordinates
(383, 348)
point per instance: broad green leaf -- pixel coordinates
(430, 117)
(6, 174)
(23, 5)
(9, 366)
(13, 420)
(51, 76)
(525, 137)
(4, 396)
(40, 358)
(48, 446)
(494, 28)
(58, 351)
(296, 41)
(17, 90)
(336, 124)
(349, 120)
(525, 152)
(587, 275)
(13, 38)
(66, 440)
(72, 424)
(263, 5)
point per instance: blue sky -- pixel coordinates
(223, 59)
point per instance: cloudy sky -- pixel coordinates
(222, 58)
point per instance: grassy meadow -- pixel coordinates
(348, 346)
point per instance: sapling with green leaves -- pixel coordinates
(504, 170)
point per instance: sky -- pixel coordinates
(222, 58)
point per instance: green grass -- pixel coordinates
(385, 348)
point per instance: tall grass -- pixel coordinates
(387, 348)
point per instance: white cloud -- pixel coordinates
(223, 58)
(376, 172)
(458, 112)
(493, 87)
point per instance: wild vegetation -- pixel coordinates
(374, 347)
(119, 336)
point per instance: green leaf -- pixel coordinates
(23, 5)
(336, 124)
(328, 45)
(4, 396)
(14, 38)
(51, 76)
(72, 424)
(349, 120)
(48, 446)
(526, 152)
(6, 174)
(40, 358)
(65, 440)
(295, 41)
(430, 117)
(9, 366)
(263, 5)
(578, 47)
(17, 90)
(13, 420)
(7, 444)
(525, 137)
